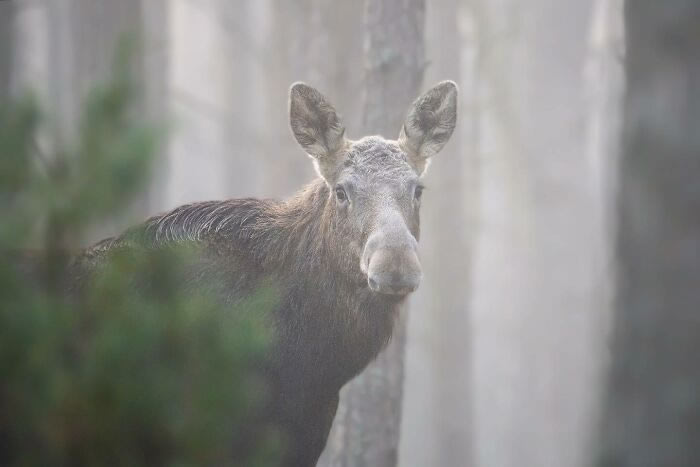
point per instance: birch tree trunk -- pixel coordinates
(653, 407)
(366, 429)
(536, 303)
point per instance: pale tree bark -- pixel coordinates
(394, 62)
(604, 91)
(366, 429)
(653, 408)
(299, 46)
(288, 61)
(217, 97)
(537, 279)
(436, 419)
(243, 102)
(604, 72)
(318, 42)
(199, 84)
(154, 66)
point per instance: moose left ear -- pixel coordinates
(316, 126)
(429, 124)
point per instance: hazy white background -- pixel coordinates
(506, 339)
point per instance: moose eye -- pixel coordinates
(418, 193)
(340, 194)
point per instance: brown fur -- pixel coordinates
(328, 324)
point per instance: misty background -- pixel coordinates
(507, 338)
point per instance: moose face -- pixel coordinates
(374, 183)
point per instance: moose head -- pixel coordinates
(375, 183)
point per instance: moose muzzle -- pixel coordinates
(390, 259)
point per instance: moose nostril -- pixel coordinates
(393, 272)
(372, 284)
(392, 286)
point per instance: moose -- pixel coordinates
(342, 252)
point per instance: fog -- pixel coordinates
(507, 341)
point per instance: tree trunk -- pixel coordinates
(535, 303)
(436, 417)
(366, 429)
(394, 62)
(314, 41)
(653, 407)
(6, 47)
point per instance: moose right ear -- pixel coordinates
(316, 126)
(429, 124)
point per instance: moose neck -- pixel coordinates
(298, 243)
(349, 322)
(305, 239)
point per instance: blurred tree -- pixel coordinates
(366, 431)
(78, 41)
(653, 407)
(6, 45)
(116, 364)
(436, 415)
(300, 51)
(318, 42)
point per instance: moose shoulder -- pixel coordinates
(342, 254)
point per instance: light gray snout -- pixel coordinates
(390, 260)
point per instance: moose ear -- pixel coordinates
(429, 124)
(316, 125)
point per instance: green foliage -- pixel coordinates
(128, 367)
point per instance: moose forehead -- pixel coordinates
(374, 159)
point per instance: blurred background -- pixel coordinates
(507, 343)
